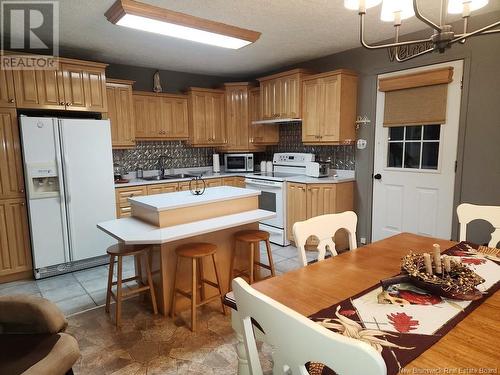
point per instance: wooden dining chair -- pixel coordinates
(324, 228)
(468, 212)
(297, 340)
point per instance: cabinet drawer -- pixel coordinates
(162, 188)
(122, 194)
(123, 211)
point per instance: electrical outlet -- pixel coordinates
(362, 240)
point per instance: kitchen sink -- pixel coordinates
(170, 177)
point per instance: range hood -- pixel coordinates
(275, 121)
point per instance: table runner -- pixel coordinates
(409, 329)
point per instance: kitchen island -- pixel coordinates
(168, 220)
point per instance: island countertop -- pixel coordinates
(182, 199)
(133, 231)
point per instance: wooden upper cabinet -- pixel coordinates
(7, 94)
(11, 168)
(160, 116)
(260, 134)
(121, 113)
(206, 111)
(76, 86)
(281, 94)
(15, 251)
(237, 116)
(174, 117)
(39, 89)
(329, 107)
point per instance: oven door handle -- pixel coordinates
(263, 185)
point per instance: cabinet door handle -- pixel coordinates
(21, 190)
(69, 104)
(61, 103)
(11, 100)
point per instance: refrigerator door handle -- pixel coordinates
(66, 189)
(62, 193)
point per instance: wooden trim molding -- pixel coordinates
(284, 74)
(122, 7)
(115, 81)
(159, 94)
(421, 79)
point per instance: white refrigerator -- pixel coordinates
(69, 177)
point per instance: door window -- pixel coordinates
(414, 147)
(267, 201)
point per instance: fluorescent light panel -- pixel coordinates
(182, 32)
(145, 17)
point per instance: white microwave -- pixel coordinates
(238, 162)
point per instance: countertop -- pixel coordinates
(133, 231)
(182, 199)
(340, 177)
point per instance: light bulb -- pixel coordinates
(457, 6)
(390, 8)
(354, 4)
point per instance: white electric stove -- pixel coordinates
(273, 191)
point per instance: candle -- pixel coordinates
(447, 263)
(428, 263)
(437, 257)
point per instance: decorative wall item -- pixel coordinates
(146, 154)
(157, 82)
(342, 156)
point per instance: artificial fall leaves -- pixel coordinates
(402, 323)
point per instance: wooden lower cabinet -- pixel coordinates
(237, 181)
(213, 182)
(305, 201)
(15, 253)
(123, 208)
(296, 205)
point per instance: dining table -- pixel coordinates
(471, 347)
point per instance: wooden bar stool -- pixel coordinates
(253, 238)
(196, 252)
(119, 251)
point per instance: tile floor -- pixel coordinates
(82, 290)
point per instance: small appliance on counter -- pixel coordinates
(215, 163)
(238, 162)
(317, 169)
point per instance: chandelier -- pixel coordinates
(443, 36)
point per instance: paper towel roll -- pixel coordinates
(216, 163)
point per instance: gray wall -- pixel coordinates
(478, 174)
(171, 81)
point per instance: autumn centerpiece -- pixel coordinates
(445, 276)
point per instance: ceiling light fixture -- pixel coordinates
(153, 19)
(443, 36)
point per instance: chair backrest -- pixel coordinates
(324, 227)
(467, 212)
(296, 340)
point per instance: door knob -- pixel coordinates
(378, 176)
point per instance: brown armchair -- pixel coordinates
(32, 339)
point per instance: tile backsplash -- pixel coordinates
(342, 156)
(179, 155)
(146, 153)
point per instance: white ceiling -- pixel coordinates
(292, 31)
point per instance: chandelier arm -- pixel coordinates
(380, 46)
(424, 19)
(482, 30)
(415, 55)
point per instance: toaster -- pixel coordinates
(317, 169)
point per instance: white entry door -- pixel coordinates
(414, 169)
